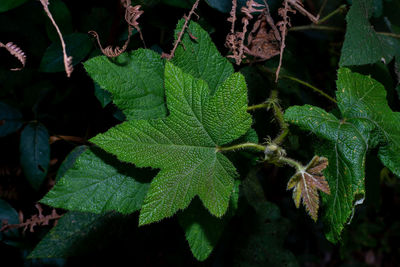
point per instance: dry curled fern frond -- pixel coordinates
(16, 52)
(36, 220)
(132, 14)
(67, 60)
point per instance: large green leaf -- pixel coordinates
(10, 4)
(78, 45)
(72, 235)
(35, 153)
(203, 230)
(200, 58)
(183, 145)
(69, 161)
(98, 183)
(367, 121)
(362, 44)
(10, 119)
(135, 80)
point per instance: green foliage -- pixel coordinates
(363, 45)
(68, 237)
(200, 58)
(35, 153)
(10, 119)
(99, 183)
(135, 80)
(69, 161)
(10, 4)
(78, 46)
(102, 95)
(202, 229)
(366, 121)
(184, 144)
(10, 215)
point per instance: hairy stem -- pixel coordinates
(291, 162)
(258, 106)
(273, 102)
(241, 146)
(390, 34)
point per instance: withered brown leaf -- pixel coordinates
(305, 184)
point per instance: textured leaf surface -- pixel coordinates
(102, 95)
(203, 230)
(184, 144)
(69, 161)
(367, 120)
(98, 183)
(68, 237)
(78, 46)
(34, 151)
(10, 119)
(362, 44)
(135, 80)
(200, 57)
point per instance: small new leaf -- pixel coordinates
(306, 183)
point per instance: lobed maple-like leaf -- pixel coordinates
(306, 183)
(183, 145)
(367, 121)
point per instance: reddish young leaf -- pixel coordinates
(305, 184)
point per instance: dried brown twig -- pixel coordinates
(16, 52)
(132, 14)
(67, 60)
(180, 35)
(35, 220)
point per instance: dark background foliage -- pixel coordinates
(69, 107)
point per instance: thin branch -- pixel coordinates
(67, 60)
(316, 27)
(340, 9)
(258, 106)
(241, 146)
(180, 35)
(390, 34)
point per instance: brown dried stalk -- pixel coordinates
(132, 14)
(16, 52)
(289, 6)
(35, 220)
(180, 35)
(67, 60)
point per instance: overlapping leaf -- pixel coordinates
(204, 230)
(200, 58)
(135, 80)
(362, 44)
(97, 183)
(183, 145)
(367, 121)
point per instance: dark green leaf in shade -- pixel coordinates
(72, 235)
(10, 119)
(78, 46)
(203, 230)
(200, 57)
(69, 161)
(102, 95)
(97, 183)
(10, 4)
(35, 153)
(262, 241)
(62, 16)
(10, 216)
(135, 80)
(183, 145)
(367, 122)
(362, 45)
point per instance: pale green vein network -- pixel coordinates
(183, 145)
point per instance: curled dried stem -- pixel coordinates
(16, 52)
(67, 60)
